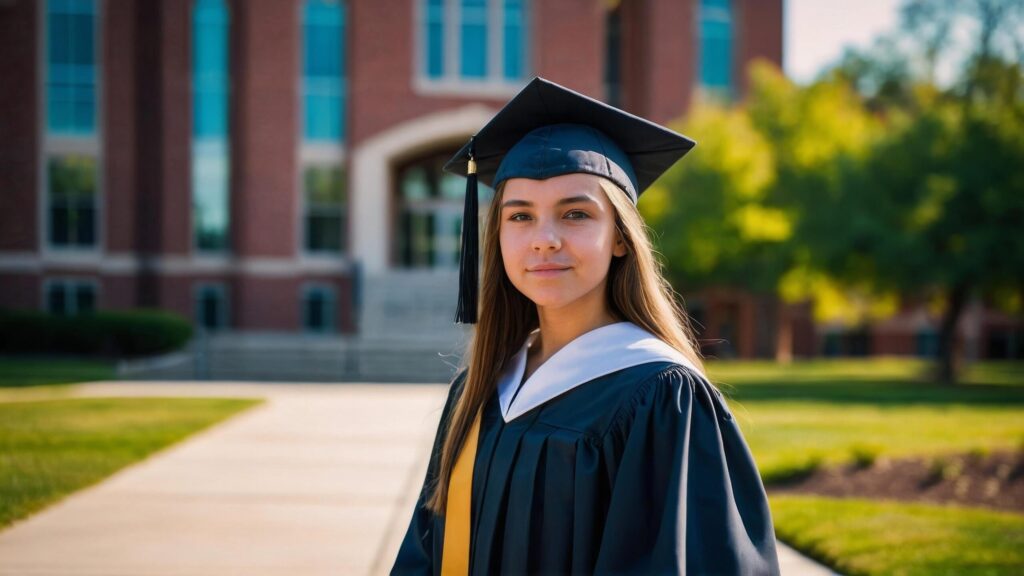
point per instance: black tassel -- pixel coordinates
(468, 261)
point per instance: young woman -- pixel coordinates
(582, 435)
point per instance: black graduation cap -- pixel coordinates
(548, 130)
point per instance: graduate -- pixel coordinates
(581, 436)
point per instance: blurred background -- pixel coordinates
(252, 190)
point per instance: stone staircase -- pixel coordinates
(406, 334)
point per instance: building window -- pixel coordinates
(66, 297)
(324, 188)
(319, 309)
(716, 47)
(211, 175)
(474, 41)
(71, 201)
(71, 67)
(323, 70)
(430, 206)
(211, 306)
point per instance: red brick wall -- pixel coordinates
(118, 110)
(175, 195)
(567, 43)
(758, 35)
(19, 115)
(264, 138)
(20, 290)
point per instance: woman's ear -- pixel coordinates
(620, 248)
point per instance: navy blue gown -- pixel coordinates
(641, 471)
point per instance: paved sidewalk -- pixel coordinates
(321, 479)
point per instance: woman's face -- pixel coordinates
(557, 238)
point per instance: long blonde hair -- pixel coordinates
(636, 291)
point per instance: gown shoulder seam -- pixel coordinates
(642, 388)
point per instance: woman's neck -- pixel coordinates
(560, 327)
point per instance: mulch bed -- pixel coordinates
(994, 480)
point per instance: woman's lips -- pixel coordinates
(547, 272)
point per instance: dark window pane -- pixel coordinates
(55, 299)
(85, 299)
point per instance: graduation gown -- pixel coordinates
(591, 467)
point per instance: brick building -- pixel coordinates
(274, 165)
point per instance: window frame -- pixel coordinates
(59, 145)
(451, 81)
(72, 282)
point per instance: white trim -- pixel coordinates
(371, 175)
(56, 145)
(130, 264)
(591, 355)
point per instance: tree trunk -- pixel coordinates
(948, 355)
(783, 333)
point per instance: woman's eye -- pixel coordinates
(577, 215)
(518, 217)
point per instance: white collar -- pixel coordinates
(596, 353)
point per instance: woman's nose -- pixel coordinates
(546, 237)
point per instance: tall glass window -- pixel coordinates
(325, 209)
(433, 36)
(70, 104)
(211, 176)
(716, 46)
(473, 49)
(515, 48)
(71, 67)
(491, 40)
(323, 70)
(72, 201)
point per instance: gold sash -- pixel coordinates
(455, 555)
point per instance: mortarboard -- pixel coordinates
(548, 130)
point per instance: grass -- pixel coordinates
(808, 414)
(22, 372)
(49, 449)
(863, 537)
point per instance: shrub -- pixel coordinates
(103, 333)
(864, 455)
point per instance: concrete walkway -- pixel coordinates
(320, 479)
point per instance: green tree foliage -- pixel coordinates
(868, 185)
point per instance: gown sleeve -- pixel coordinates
(686, 496)
(416, 555)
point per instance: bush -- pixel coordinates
(864, 455)
(104, 333)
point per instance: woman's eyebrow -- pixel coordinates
(566, 200)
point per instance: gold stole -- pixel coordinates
(455, 555)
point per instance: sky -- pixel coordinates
(816, 31)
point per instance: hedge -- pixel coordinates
(101, 333)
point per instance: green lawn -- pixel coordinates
(824, 412)
(862, 537)
(49, 449)
(20, 372)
